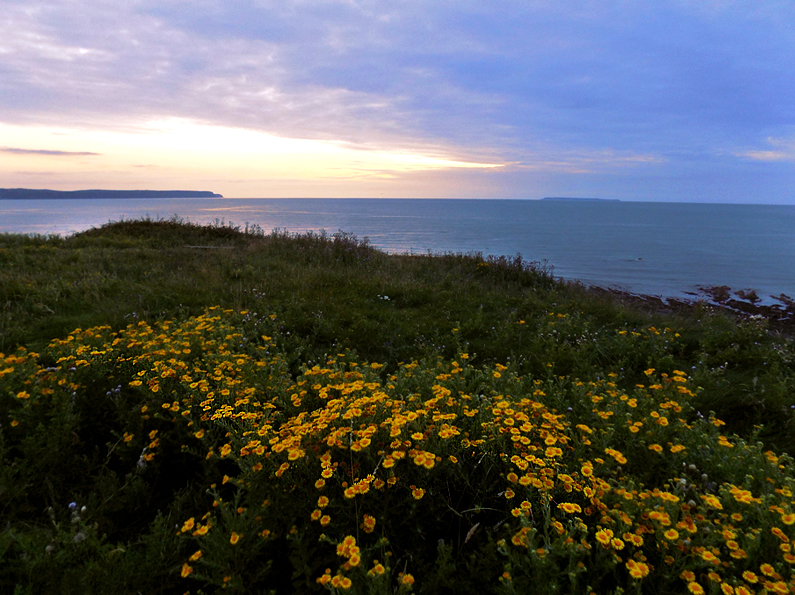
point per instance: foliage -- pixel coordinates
(438, 476)
(353, 421)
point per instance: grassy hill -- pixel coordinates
(190, 408)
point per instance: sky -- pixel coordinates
(648, 100)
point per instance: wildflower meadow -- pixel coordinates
(216, 452)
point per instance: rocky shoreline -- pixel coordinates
(743, 305)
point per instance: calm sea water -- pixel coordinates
(666, 249)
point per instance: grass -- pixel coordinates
(109, 418)
(336, 292)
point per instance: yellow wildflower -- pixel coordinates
(637, 570)
(570, 507)
(604, 536)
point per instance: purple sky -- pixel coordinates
(677, 101)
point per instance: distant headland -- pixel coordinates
(28, 193)
(578, 199)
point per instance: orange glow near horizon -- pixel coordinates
(177, 153)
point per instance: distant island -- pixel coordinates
(578, 199)
(28, 193)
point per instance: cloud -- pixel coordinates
(369, 70)
(54, 153)
(586, 161)
(592, 86)
(782, 150)
(770, 155)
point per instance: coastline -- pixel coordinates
(636, 248)
(44, 194)
(745, 306)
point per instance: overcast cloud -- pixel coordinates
(669, 100)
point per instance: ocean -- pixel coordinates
(663, 249)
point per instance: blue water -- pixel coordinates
(667, 249)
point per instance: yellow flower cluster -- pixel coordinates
(581, 472)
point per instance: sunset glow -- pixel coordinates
(180, 152)
(678, 101)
